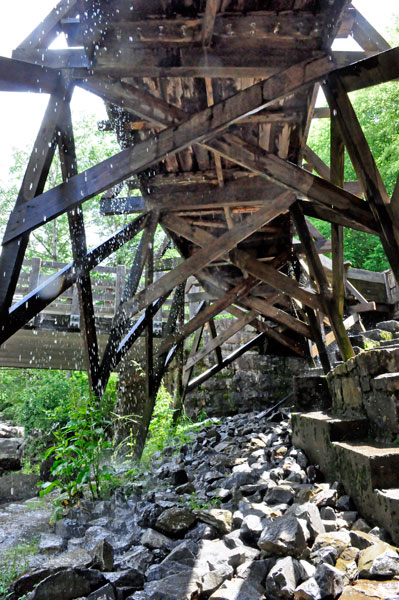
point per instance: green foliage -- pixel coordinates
(376, 109)
(80, 451)
(195, 503)
(14, 562)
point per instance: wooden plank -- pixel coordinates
(275, 333)
(68, 162)
(330, 338)
(221, 338)
(320, 346)
(122, 206)
(18, 76)
(335, 216)
(54, 59)
(289, 176)
(149, 335)
(337, 153)
(371, 71)
(32, 185)
(46, 32)
(213, 332)
(188, 372)
(205, 256)
(37, 300)
(206, 313)
(211, 9)
(273, 277)
(362, 307)
(130, 161)
(276, 314)
(366, 169)
(320, 277)
(141, 257)
(366, 36)
(227, 361)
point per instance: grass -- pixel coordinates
(13, 563)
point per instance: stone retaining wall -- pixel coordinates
(368, 386)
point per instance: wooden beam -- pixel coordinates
(366, 36)
(320, 277)
(275, 333)
(208, 23)
(130, 161)
(289, 176)
(46, 32)
(337, 153)
(216, 342)
(366, 169)
(331, 215)
(320, 346)
(273, 277)
(371, 71)
(276, 314)
(227, 361)
(330, 338)
(213, 332)
(32, 185)
(38, 299)
(19, 76)
(206, 313)
(79, 251)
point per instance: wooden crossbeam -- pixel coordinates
(206, 313)
(267, 274)
(371, 71)
(366, 169)
(130, 161)
(19, 76)
(331, 215)
(216, 342)
(366, 36)
(208, 23)
(32, 185)
(213, 332)
(290, 176)
(39, 298)
(46, 32)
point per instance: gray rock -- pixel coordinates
(391, 326)
(138, 557)
(238, 589)
(153, 539)
(157, 572)
(106, 592)
(378, 561)
(283, 578)
(326, 497)
(327, 513)
(280, 494)
(310, 513)
(182, 585)
(285, 535)
(326, 554)
(175, 521)
(17, 486)
(69, 528)
(220, 519)
(184, 551)
(50, 543)
(251, 528)
(129, 578)
(68, 585)
(330, 580)
(308, 590)
(103, 556)
(212, 580)
(79, 557)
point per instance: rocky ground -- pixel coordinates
(236, 514)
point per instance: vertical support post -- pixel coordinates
(320, 277)
(337, 153)
(178, 406)
(119, 285)
(318, 338)
(79, 250)
(34, 278)
(149, 339)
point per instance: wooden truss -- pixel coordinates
(215, 138)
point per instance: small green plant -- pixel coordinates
(386, 335)
(78, 453)
(370, 344)
(14, 562)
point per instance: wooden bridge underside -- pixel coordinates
(211, 101)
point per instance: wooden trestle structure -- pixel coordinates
(212, 102)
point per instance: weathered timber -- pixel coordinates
(213, 332)
(211, 8)
(130, 161)
(79, 251)
(46, 32)
(366, 36)
(29, 306)
(32, 185)
(290, 176)
(19, 76)
(216, 342)
(320, 345)
(366, 169)
(337, 153)
(274, 278)
(371, 71)
(206, 313)
(320, 277)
